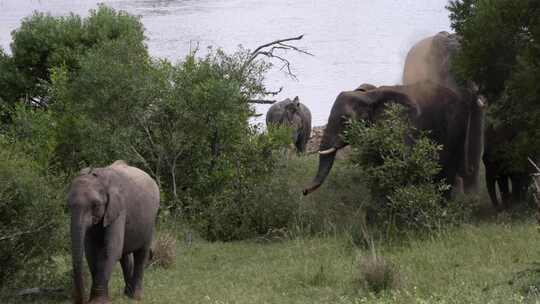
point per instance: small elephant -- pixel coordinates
(431, 107)
(113, 213)
(295, 115)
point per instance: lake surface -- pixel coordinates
(353, 41)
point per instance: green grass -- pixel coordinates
(492, 262)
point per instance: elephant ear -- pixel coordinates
(382, 96)
(115, 205)
(296, 102)
(115, 200)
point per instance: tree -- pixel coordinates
(44, 42)
(501, 53)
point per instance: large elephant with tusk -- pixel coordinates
(431, 59)
(432, 107)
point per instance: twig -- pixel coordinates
(262, 101)
(273, 93)
(254, 53)
(534, 165)
(269, 52)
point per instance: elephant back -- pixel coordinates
(139, 178)
(275, 112)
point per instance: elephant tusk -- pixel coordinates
(328, 151)
(481, 101)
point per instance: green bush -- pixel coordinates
(399, 176)
(44, 42)
(500, 52)
(32, 225)
(186, 124)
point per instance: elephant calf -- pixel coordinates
(295, 115)
(113, 213)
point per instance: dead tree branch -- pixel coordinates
(268, 49)
(262, 101)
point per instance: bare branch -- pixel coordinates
(262, 101)
(275, 42)
(268, 49)
(273, 93)
(146, 164)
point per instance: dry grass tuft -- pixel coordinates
(164, 250)
(377, 274)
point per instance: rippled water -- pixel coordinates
(354, 41)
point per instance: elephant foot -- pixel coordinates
(100, 300)
(128, 291)
(134, 294)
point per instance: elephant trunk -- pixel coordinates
(331, 142)
(78, 233)
(325, 165)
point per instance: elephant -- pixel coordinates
(293, 114)
(500, 172)
(431, 59)
(113, 214)
(431, 107)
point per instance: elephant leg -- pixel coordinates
(300, 145)
(140, 258)
(92, 256)
(99, 293)
(127, 270)
(502, 181)
(109, 254)
(492, 191)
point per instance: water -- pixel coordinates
(353, 41)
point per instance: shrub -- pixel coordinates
(32, 228)
(164, 250)
(44, 42)
(377, 274)
(399, 176)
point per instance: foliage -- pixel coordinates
(98, 110)
(31, 131)
(500, 52)
(32, 216)
(11, 83)
(186, 124)
(44, 42)
(399, 175)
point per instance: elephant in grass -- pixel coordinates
(295, 115)
(431, 107)
(113, 213)
(500, 172)
(431, 59)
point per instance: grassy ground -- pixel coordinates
(492, 262)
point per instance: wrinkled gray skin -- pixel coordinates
(295, 115)
(431, 107)
(113, 212)
(430, 59)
